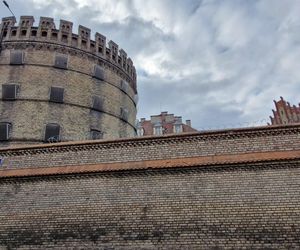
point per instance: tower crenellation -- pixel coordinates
(46, 31)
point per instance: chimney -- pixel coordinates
(189, 123)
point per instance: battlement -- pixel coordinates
(46, 31)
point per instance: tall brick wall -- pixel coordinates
(233, 189)
(31, 111)
(252, 206)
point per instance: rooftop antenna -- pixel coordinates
(6, 4)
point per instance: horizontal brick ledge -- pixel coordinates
(155, 164)
(145, 139)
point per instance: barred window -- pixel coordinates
(61, 61)
(57, 94)
(52, 132)
(97, 103)
(16, 57)
(9, 91)
(99, 73)
(5, 128)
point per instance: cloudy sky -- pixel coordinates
(219, 63)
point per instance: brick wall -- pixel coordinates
(235, 189)
(247, 206)
(227, 142)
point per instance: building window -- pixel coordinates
(158, 130)
(124, 85)
(57, 94)
(124, 114)
(16, 57)
(140, 132)
(97, 103)
(9, 92)
(99, 73)
(5, 128)
(52, 132)
(96, 134)
(178, 128)
(61, 61)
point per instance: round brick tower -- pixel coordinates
(60, 86)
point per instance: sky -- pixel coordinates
(220, 63)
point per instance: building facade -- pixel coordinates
(285, 113)
(61, 86)
(163, 124)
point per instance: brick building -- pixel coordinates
(285, 113)
(163, 124)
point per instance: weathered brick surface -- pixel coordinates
(230, 142)
(247, 199)
(253, 206)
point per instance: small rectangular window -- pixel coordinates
(61, 62)
(97, 103)
(4, 131)
(57, 94)
(9, 91)
(99, 73)
(16, 57)
(96, 134)
(124, 85)
(52, 132)
(124, 114)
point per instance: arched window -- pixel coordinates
(52, 133)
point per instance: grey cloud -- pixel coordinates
(217, 62)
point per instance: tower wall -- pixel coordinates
(98, 82)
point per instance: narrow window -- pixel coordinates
(5, 128)
(44, 33)
(52, 132)
(57, 94)
(61, 61)
(16, 57)
(97, 103)
(99, 73)
(9, 92)
(124, 114)
(96, 134)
